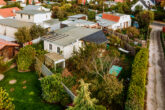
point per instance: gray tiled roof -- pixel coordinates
(15, 23)
(32, 7)
(32, 12)
(52, 21)
(105, 23)
(69, 35)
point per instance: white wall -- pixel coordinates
(24, 17)
(8, 30)
(66, 51)
(37, 18)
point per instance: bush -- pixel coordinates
(3, 65)
(136, 90)
(53, 91)
(5, 101)
(26, 57)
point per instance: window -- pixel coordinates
(21, 15)
(50, 46)
(58, 50)
(28, 16)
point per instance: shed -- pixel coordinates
(115, 70)
(54, 60)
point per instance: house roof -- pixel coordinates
(32, 12)
(8, 12)
(105, 23)
(111, 17)
(4, 43)
(7, 38)
(15, 23)
(32, 7)
(81, 22)
(2, 2)
(52, 21)
(54, 56)
(144, 3)
(69, 35)
(77, 16)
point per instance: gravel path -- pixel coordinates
(156, 73)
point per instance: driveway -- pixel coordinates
(156, 72)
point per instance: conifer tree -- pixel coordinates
(83, 101)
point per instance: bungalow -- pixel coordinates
(8, 12)
(2, 3)
(113, 21)
(7, 49)
(66, 40)
(145, 4)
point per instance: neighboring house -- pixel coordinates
(78, 16)
(145, 4)
(7, 49)
(113, 20)
(8, 27)
(8, 12)
(27, 18)
(66, 40)
(121, 1)
(36, 7)
(2, 3)
(81, 23)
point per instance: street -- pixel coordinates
(156, 72)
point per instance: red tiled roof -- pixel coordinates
(121, 1)
(8, 12)
(2, 2)
(110, 17)
(4, 43)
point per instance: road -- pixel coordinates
(156, 72)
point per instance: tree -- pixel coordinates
(114, 40)
(25, 58)
(91, 15)
(108, 90)
(27, 2)
(53, 91)
(138, 9)
(144, 18)
(5, 100)
(23, 35)
(37, 31)
(83, 101)
(162, 3)
(132, 32)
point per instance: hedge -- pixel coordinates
(136, 90)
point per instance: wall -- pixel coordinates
(8, 30)
(24, 17)
(39, 18)
(66, 51)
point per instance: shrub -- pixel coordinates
(136, 90)
(3, 65)
(5, 101)
(53, 91)
(26, 57)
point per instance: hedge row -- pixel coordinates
(136, 90)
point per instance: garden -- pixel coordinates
(25, 90)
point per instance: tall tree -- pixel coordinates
(144, 18)
(23, 35)
(83, 101)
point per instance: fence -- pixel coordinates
(125, 37)
(46, 72)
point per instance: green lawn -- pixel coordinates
(28, 98)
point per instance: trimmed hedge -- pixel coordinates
(136, 90)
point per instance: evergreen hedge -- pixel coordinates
(136, 90)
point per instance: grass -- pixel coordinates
(29, 98)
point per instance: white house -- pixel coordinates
(145, 4)
(66, 40)
(27, 18)
(113, 20)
